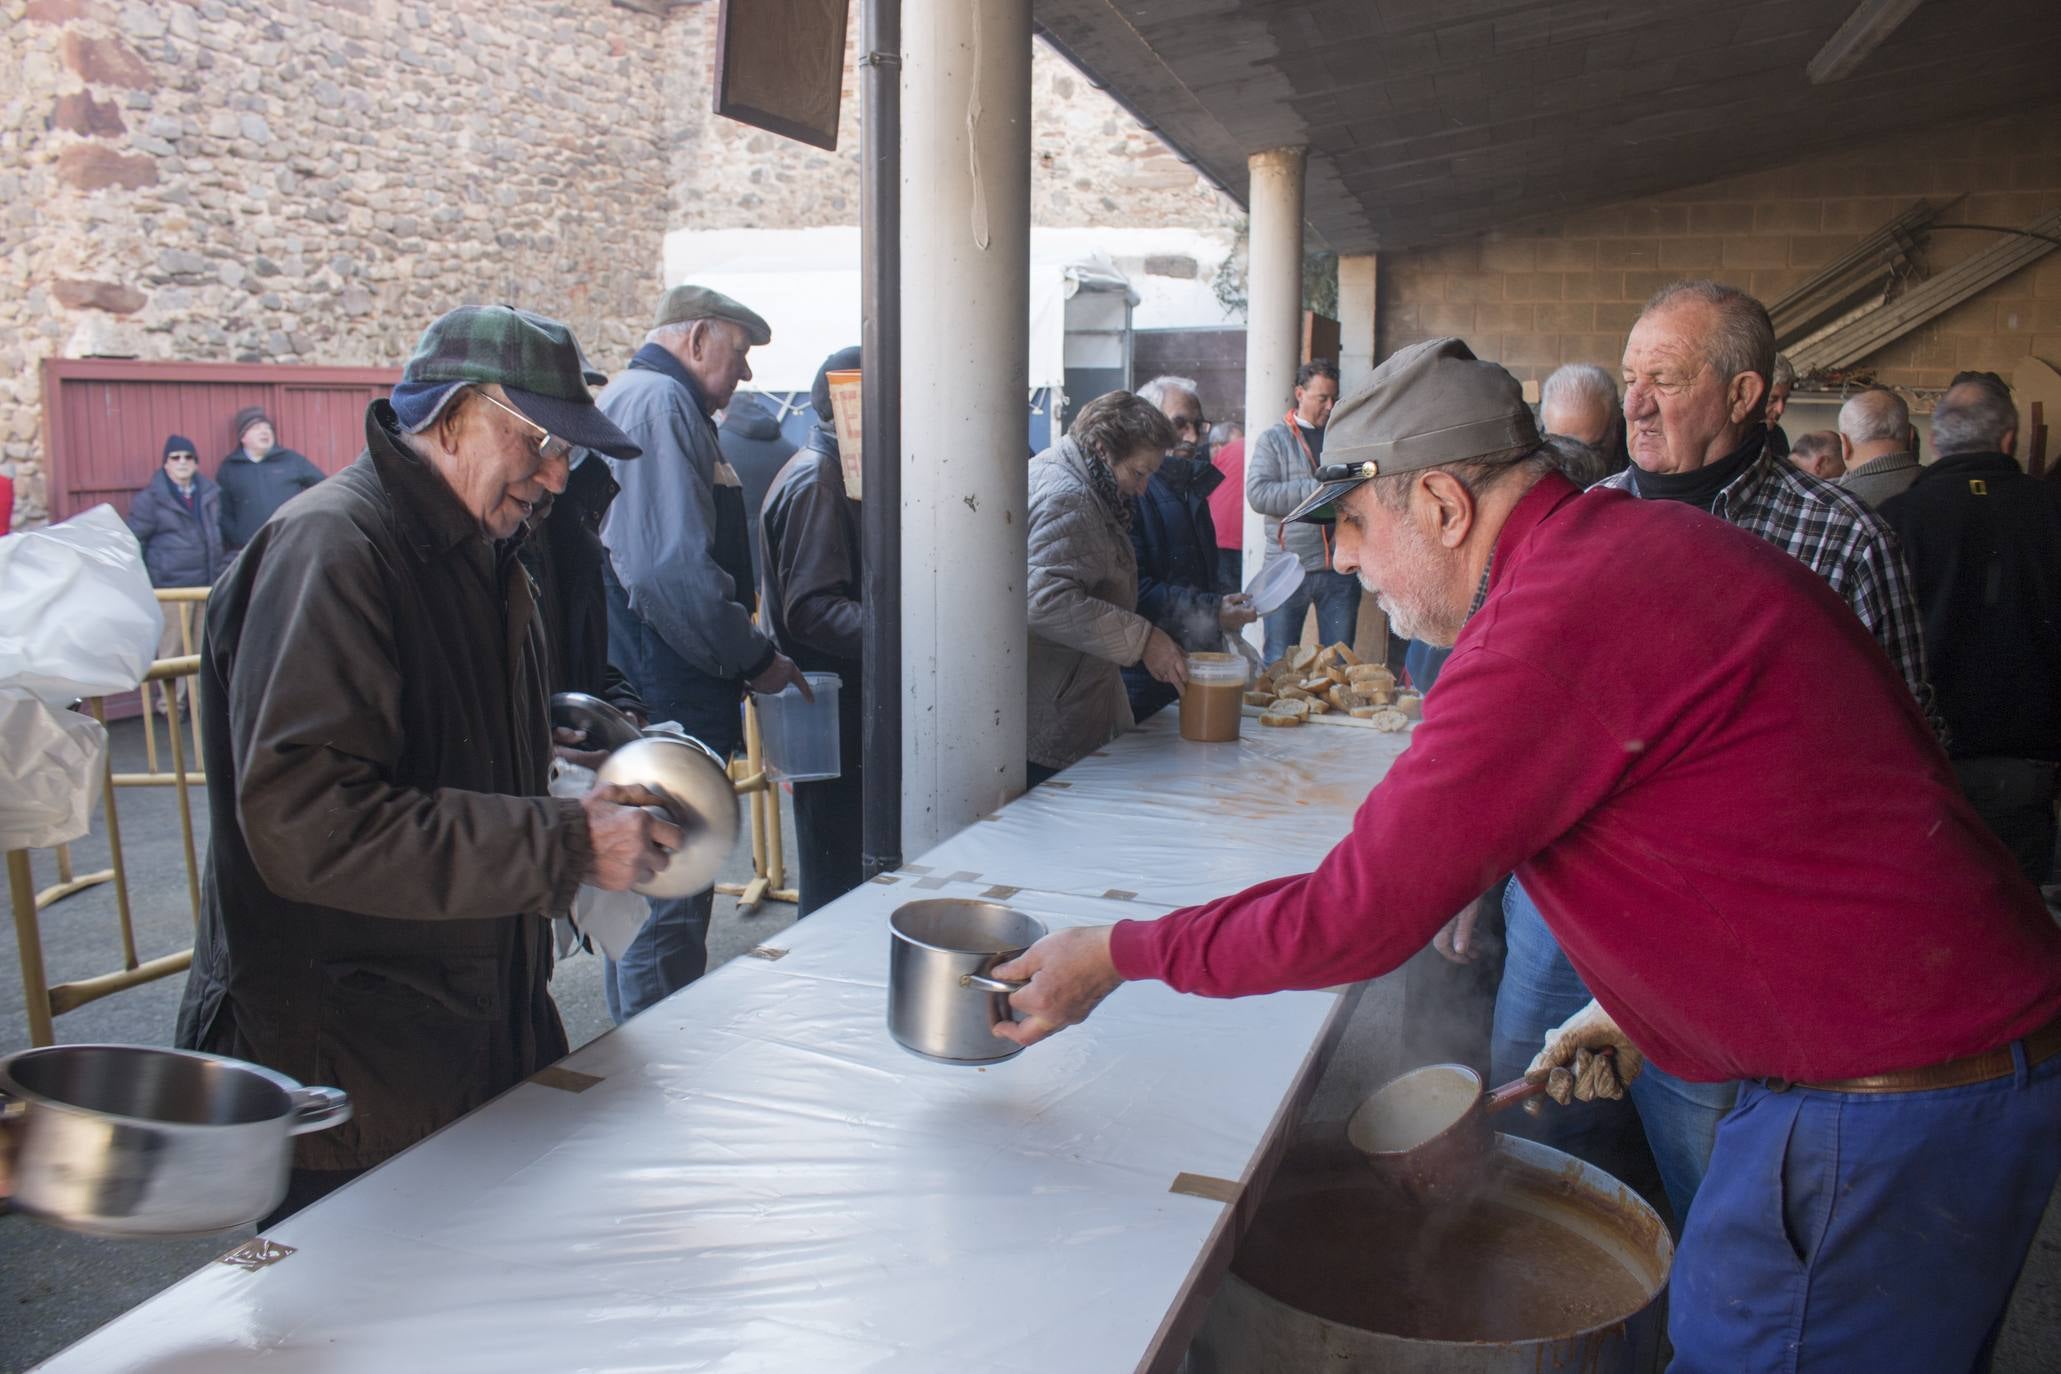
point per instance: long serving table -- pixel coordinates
(753, 1176)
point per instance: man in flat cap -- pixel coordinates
(680, 593)
(1648, 765)
(384, 861)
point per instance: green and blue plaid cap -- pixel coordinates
(533, 359)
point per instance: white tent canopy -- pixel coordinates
(805, 282)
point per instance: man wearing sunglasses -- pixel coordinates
(384, 860)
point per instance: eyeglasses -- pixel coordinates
(1182, 424)
(549, 445)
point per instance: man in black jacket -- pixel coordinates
(258, 477)
(810, 531)
(1175, 538)
(384, 861)
(1983, 541)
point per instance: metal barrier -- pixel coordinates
(44, 1003)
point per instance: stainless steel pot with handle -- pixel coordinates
(136, 1141)
(941, 1001)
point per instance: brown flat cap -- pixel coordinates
(684, 304)
(1428, 405)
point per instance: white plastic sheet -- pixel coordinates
(611, 919)
(1175, 822)
(50, 771)
(753, 1175)
(77, 615)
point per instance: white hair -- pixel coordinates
(1972, 418)
(1874, 415)
(1154, 393)
(1576, 383)
(668, 335)
(1785, 371)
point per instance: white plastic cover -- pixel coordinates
(50, 771)
(77, 615)
(1175, 822)
(753, 1175)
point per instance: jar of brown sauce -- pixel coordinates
(1210, 702)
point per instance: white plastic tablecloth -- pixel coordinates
(1177, 823)
(753, 1175)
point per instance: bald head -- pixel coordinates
(1875, 424)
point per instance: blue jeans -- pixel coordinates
(672, 949)
(1865, 1231)
(1678, 1119)
(1337, 596)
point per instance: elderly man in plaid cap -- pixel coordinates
(385, 860)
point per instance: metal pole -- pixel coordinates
(1273, 308)
(965, 502)
(28, 944)
(880, 342)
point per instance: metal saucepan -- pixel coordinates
(606, 729)
(1430, 1127)
(131, 1141)
(941, 1001)
(699, 799)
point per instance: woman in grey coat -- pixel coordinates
(1083, 582)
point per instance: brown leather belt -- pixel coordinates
(2041, 1045)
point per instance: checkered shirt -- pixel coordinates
(1835, 535)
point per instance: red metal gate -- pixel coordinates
(105, 421)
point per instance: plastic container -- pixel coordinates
(1278, 578)
(799, 738)
(1211, 699)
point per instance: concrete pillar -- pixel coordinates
(1273, 309)
(966, 72)
(1357, 320)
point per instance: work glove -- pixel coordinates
(1572, 1066)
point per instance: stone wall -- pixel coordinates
(1567, 290)
(1092, 163)
(311, 181)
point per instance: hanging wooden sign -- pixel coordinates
(780, 66)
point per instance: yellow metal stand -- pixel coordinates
(762, 799)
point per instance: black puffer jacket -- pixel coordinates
(251, 491)
(565, 556)
(182, 540)
(1175, 538)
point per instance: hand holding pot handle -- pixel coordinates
(1066, 976)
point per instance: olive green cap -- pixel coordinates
(684, 304)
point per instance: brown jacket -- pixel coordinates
(1084, 621)
(382, 855)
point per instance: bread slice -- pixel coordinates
(1336, 674)
(1327, 656)
(1301, 657)
(1411, 704)
(1290, 706)
(1259, 698)
(1364, 712)
(1370, 672)
(1278, 718)
(1389, 720)
(1320, 707)
(1347, 657)
(1341, 699)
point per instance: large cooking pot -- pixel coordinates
(699, 799)
(941, 1001)
(132, 1141)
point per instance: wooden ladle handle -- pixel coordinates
(1518, 1090)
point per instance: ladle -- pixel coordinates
(1429, 1128)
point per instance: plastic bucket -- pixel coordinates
(799, 738)
(1212, 698)
(1278, 578)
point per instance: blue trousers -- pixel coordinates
(672, 949)
(1337, 598)
(1678, 1119)
(1862, 1231)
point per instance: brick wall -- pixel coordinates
(1567, 290)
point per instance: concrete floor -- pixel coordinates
(56, 1287)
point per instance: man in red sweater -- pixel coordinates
(1752, 889)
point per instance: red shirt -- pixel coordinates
(1227, 502)
(1718, 790)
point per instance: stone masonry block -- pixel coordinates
(1724, 217)
(1502, 317)
(1749, 251)
(1789, 217)
(1593, 286)
(1562, 255)
(1701, 255)
(1508, 255)
(1566, 317)
(1475, 286)
(1533, 286)
(1627, 253)
(91, 167)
